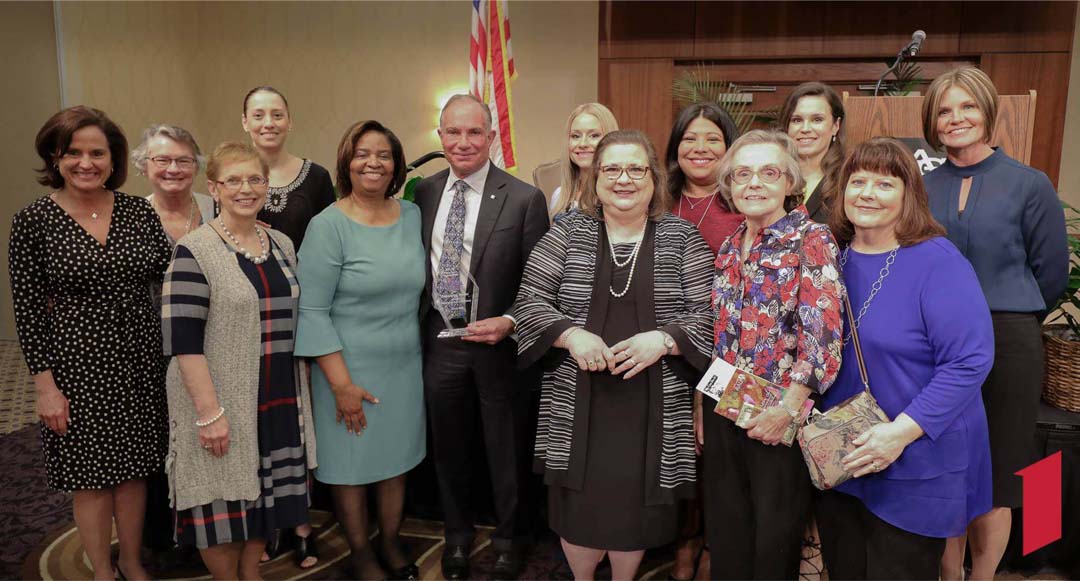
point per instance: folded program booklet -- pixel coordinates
(741, 396)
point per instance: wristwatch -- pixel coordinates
(669, 342)
(793, 413)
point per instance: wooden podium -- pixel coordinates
(868, 117)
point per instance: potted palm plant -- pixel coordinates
(1061, 334)
(697, 85)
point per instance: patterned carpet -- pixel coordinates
(16, 389)
(39, 540)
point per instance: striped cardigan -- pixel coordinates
(561, 287)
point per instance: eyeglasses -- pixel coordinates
(181, 162)
(769, 174)
(234, 184)
(614, 172)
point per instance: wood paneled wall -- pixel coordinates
(645, 45)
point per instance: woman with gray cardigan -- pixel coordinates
(241, 435)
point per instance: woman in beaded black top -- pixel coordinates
(299, 188)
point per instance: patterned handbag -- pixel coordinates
(827, 437)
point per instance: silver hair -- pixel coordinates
(789, 162)
(140, 154)
(468, 97)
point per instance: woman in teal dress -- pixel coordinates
(361, 274)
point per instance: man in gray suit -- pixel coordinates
(478, 218)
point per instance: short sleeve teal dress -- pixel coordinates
(360, 294)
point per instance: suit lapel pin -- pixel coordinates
(492, 196)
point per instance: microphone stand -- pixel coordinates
(424, 159)
(899, 59)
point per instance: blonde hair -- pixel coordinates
(661, 198)
(231, 152)
(789, 163)
(972, 80)
(573, 179)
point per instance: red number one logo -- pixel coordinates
(1042, 503)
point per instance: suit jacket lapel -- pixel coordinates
(432, 207)
(491, 204)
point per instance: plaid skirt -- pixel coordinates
(284, 498)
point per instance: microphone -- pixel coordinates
(917, 39)
(910, 50)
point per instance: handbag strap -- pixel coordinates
(858, 346)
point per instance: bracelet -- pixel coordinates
(794, 414)
(221, 412)
(566, 334)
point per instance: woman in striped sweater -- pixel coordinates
(615, 302)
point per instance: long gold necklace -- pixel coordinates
(191, 213)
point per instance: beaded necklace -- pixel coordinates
(261, 258)
(631, 260)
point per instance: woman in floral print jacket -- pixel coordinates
(778, 296)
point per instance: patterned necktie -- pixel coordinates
(448, 282)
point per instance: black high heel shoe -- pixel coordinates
(275, 544)
(405, 573)
(306, 547)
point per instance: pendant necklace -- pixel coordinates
(93, 213)
(693, 206)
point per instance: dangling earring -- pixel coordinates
(834, 138)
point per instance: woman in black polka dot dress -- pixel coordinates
(82, 260)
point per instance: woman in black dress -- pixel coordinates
(82, 260)
(813, 116)
(615, 300)
(299, 190)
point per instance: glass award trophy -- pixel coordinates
(458, 308)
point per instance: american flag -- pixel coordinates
(491, 68)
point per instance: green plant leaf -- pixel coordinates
(695, 85)
(409, 191)
(1071, 296)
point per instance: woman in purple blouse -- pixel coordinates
(928, 344)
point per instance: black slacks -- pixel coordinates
(457, 374)
(856, 544)
(757, 502)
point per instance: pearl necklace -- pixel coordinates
(247, 254)
(631, 260)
